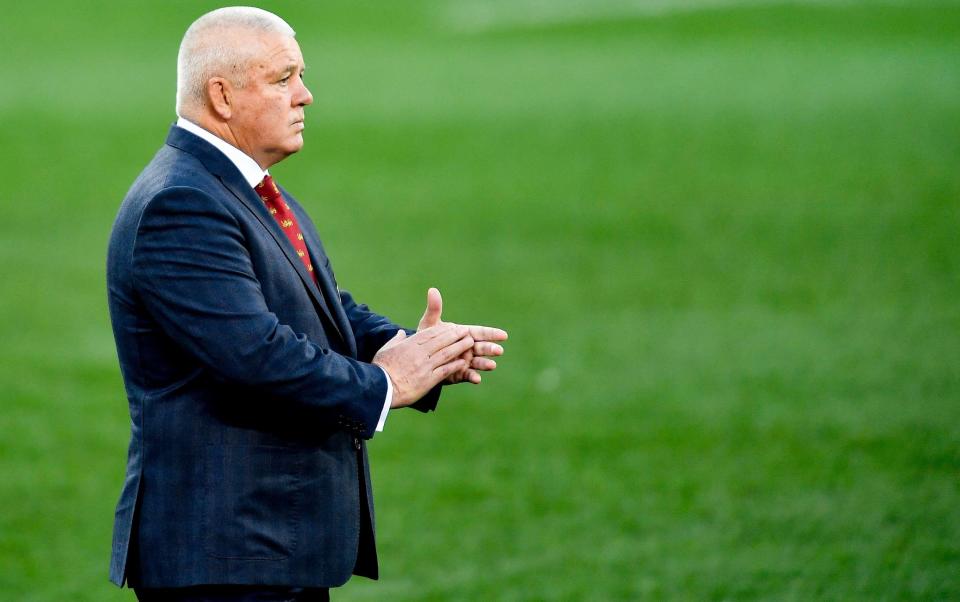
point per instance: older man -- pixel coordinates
(253, 380)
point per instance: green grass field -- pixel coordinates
(723, 240)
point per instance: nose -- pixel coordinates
(303, 97)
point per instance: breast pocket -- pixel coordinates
(253, 501)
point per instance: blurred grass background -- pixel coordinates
(722, 235)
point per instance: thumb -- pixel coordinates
(397, 338)
(431, 316)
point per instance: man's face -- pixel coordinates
(267, 119)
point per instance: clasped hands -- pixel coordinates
(438, 352)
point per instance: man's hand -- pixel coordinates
(418, 363)
(477, 357)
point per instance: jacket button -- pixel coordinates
(356, 443)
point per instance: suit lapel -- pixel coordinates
(250, 199)
(324, 278)
(233, 181)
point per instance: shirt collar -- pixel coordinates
(249, 168)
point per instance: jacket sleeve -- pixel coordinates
(371, 330)
(194, 275)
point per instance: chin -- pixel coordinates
(289, 149)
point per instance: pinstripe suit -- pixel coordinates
(250, 388)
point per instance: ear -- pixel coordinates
(220, 97)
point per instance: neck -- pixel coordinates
(221, 129)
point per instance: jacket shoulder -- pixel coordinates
(172, 168)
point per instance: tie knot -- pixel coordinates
(267, 189)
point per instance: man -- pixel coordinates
(253, 380)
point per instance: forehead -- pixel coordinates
(276, 51)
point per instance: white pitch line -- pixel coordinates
(477, 16)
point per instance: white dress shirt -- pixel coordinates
(253, 174)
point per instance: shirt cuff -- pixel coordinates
(386, 402)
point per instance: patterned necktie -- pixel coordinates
(268, 191)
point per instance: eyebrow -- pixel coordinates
(290, 68)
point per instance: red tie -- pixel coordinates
(268, 191)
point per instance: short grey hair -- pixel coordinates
(208, 51)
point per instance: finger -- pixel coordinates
(487, 349)
(422, 337)
(473, 376)
(446, 370)
(452, 351)
(487, 333)
(444, 336)
(431, 315)
(482, 363)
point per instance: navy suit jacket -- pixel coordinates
(250, 388)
